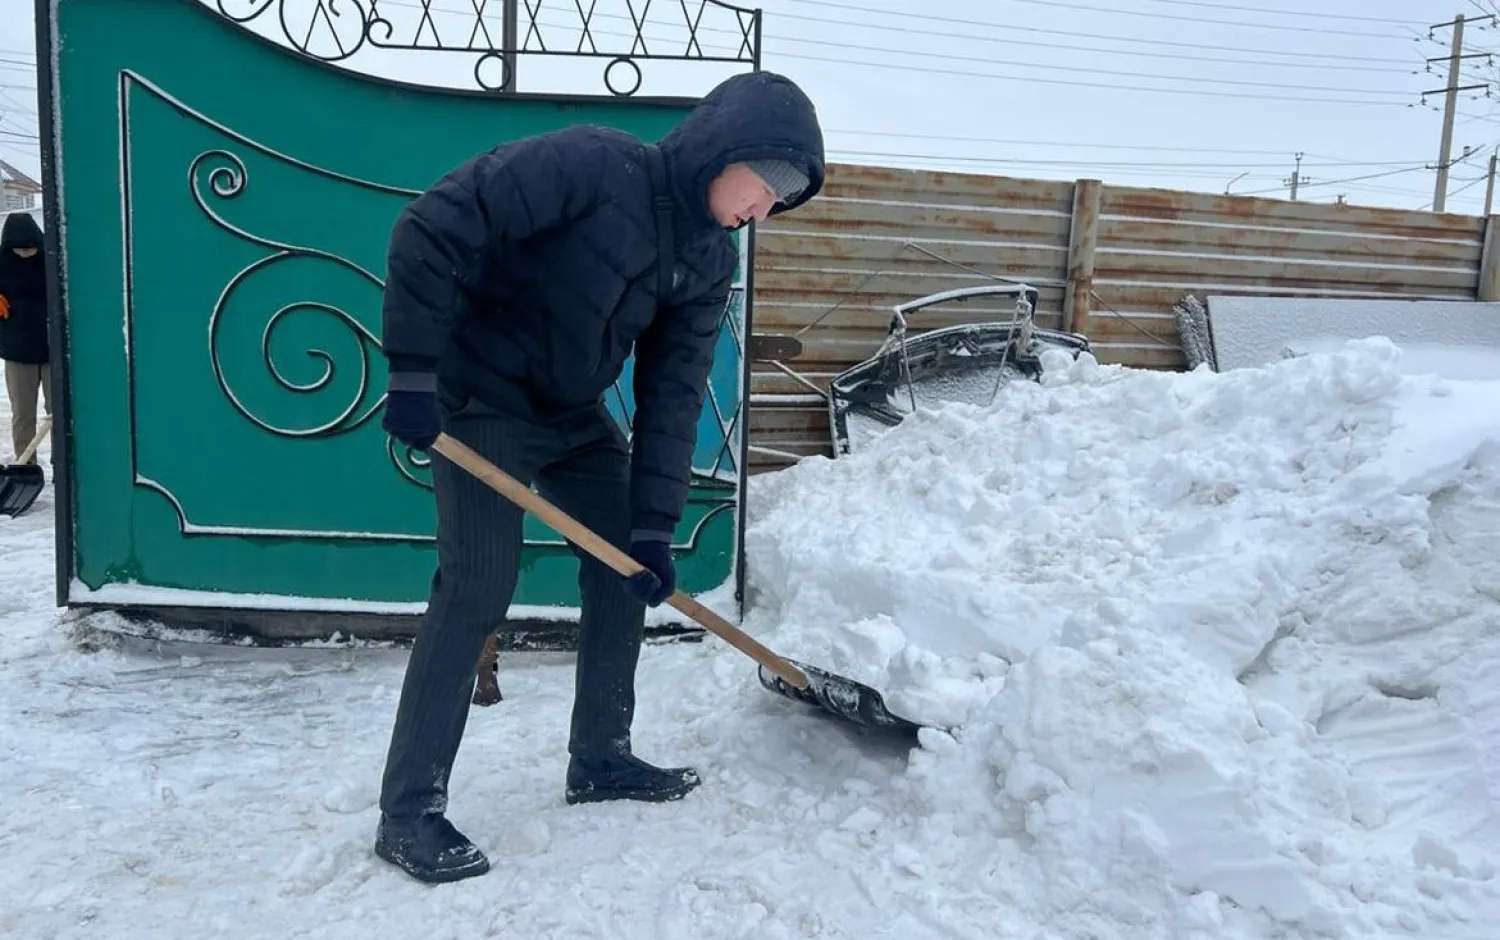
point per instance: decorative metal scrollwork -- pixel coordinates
(222, 174)
(497, 33)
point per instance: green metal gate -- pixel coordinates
(219, 205)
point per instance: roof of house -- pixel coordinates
(18, 180)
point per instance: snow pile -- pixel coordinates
(1216, 653)
(1462, 362)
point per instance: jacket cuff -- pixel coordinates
(651, 525)
(650, 535)
(411, 373)
(412, 382)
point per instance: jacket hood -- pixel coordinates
(20, 231)
(752, 116)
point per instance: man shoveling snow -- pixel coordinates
(518, 285)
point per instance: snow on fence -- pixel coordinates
(1109, 261)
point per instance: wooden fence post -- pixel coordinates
(1082, 240)
(1489, 262)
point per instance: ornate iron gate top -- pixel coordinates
(702, 31)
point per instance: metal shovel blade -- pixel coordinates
(20, 484)
(839, 696)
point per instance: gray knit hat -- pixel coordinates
(786, 179)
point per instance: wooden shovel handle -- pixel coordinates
(579, 534)
(42, 428)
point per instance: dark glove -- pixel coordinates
(412, 418)
(659, 580)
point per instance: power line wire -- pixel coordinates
(931, 161)
(25, 107)
(1096, 144)
(1052, 32)
(1235, 8)
(1351, 179)
(1056, 4)
(1175, 171)
(950, 57)
(1416, 164)
(1103, 85)
(1218, 60)
(1345, 161)
(1462, 189)
(1198, 19)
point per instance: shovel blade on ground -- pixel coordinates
(20, 484)
(838, 696)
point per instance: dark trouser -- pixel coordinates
(584, 472)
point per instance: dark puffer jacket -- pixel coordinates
(525, 276)
(23, 285)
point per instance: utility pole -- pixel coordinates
(1450, 105)
(1296, 178)
(1489, 186)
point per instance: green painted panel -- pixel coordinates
(226, 214)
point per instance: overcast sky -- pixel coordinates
(1182, 94)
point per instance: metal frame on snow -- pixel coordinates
(1012, 349)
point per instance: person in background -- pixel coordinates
(23, 325)
(517, 286)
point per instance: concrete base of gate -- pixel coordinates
(286, 628)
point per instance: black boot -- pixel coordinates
(429, 849)
(626, 778)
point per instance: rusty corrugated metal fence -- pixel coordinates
(1108, 261)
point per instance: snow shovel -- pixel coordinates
(21, 482)
(838, 695)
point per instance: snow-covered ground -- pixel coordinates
(1206, 657)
